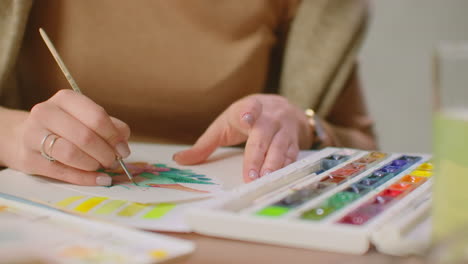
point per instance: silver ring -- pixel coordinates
(51, 144)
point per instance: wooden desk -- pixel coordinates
(216, 250)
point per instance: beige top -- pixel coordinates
(166, 68)
(319, 55)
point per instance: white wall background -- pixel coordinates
(396, 66)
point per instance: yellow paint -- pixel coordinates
(3, 208)
(89, 204)
(378, 155)
(421, 173)
(158, 254)
(66, 202)
(109, 207)
(132, 209)
(426, 166)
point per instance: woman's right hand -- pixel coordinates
(87, 139)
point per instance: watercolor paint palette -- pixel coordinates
(342, 200)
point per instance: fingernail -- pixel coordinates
(104, 180)
(123, 149)
(266, 172)
(248, 118)
(174, 157)
(253, 174)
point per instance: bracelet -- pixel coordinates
(320, 136)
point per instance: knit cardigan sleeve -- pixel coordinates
(13, 18)
(321, 49)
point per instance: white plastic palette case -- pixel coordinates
(341, 200)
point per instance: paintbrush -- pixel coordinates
(75, 87)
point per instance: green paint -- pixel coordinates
(182, 179)
(169, 177)
(162, 174)
(341, 199)
(159, 210)
(156, 179)
(332, 204)
(273, 211)
(317, 213)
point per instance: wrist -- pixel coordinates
(9, 134)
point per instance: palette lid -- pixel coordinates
(408, 230)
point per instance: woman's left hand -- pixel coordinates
(274, 130)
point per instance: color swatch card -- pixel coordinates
(31, 234)
(341, 200)
(160, 216)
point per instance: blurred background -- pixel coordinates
(396, 66)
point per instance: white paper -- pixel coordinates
(223, 166)
(29, 233)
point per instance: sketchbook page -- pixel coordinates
(34, 233)
(160, 179)
(166, 216)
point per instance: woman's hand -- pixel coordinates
(274, 130)
(87, 139)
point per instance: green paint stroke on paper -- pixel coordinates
(159, 210)
(148, 175)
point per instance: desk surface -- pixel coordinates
(216, 250)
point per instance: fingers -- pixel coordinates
(280, 153)
(82, 123)
(77, 137)
(62, 172)
(124, 130)
(92, 116)
(257, 145)
(122, 127)
(67, 153)
(204, 146)
(291, 154)
(243, 114)
(273, 141)
(230, 128)
(269, 124)
(68, 127)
